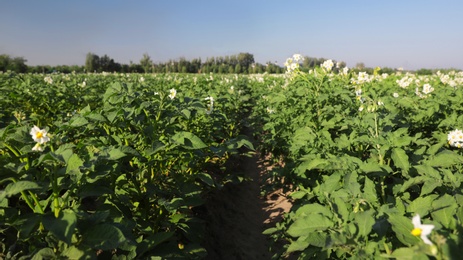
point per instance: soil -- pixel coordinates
(238, 214)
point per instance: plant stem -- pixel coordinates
(12, 149)
(34, 197)
(56, 206)
(27, 200)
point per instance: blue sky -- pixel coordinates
(408, 34)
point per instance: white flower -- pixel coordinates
(210, 106)
(270, 111)
(37, 147)
(362, 77)
(288, 62)
(361, 108)
(142, 79)
(292, 63)
(396, 95)
(297, 57)
(418, 93)
(404, 82)
(39, 135)
(294, 66)
(345, 70)
(421, 230)
(172, 93)
(210, 98)
(48, 79)
(455, 138)
(327, 65)
(427, 89)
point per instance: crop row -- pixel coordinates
(108, 165)
(367, 159)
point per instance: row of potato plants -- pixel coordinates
(98, 166)
(372, 162)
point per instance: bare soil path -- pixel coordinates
(238, 214)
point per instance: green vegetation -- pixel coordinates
(114, 165)
(118, 165)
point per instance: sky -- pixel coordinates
(407, 33)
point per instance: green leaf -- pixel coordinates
(299, 245)
(103, 236)
(188, 140)
(459, 215)
(316, 239)
(368, 167)
(428, 170)
(369, 191)
(402, 227)
(28, 224)
(270, 231)
(73, 164)
(400, 159)
(422, 205)
(186, 113)
(314, 208)
(152, 241)
(62, 227)
(413, 181)
(73, 252)
(96, 117)
(445, 158)
(116, 154)
(206, 178)
(453, 177)
(78, 121)
(444, 210)
(405, 253)
(331, 183)
(351, 183)
(339, 206)
(365, 222)
(307, 165)
(17, 187)
(156, 147)
(44, 254)
(305, 225)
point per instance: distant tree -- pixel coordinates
(222, 68)
(92, 62)
(360, 66)
(16, 64)
(424, 71)
(195, 65)
(4, 62)
(106, 63)
(146, 63)
(231, 70)
(245, 60)
(238, 68)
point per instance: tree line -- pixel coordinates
(242, 63)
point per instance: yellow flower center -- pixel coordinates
(38, 135)
(416, 231)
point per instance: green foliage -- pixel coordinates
(127, 167)
(361, 161)
(130, 160)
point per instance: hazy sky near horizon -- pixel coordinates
(408, 34)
